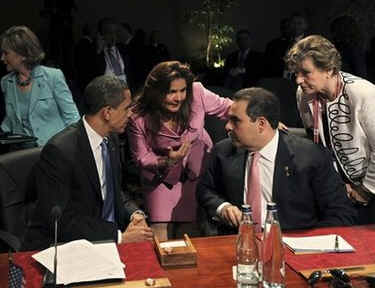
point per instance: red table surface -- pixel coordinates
(362, 238)
(140, 260)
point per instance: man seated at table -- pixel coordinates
(79, 171)
(288, 170)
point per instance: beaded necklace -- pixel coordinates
(23, 83)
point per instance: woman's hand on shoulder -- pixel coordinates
(282, 126)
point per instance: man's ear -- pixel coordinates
(330, 73)
(262, 123)
(106, 113)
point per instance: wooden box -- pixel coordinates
(172, 255)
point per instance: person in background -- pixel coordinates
(168, 142)
(348, 40)
(298, 27)
(106, 56)
(337, 109)
(38, 101)
(157, 51)
(261, 164)
(276, 50)
(243, 67)
(79, 171)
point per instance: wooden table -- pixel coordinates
(4, 266)
(216, 256)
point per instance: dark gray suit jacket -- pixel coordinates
(67, 176)
(307, 189)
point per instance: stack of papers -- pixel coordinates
(81, 261)
(318, 244)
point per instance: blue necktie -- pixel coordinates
(115, 61)
(108, 212)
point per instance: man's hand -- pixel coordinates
(137, 233)
(138, 220)
(232, 215)
(357, 195)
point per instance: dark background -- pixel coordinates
(261, 17)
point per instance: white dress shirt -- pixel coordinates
(95, 140)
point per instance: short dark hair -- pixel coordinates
(24, 42)
(106, 21)
(260, 102)
(104, 91)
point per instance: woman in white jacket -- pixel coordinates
(338, 108)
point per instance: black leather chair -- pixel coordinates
(17, 193)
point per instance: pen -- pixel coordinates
(337, 243)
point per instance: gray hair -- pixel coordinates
(24, 42)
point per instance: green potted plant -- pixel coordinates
(218, 35)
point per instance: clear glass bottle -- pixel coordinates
(273, 250)
(247, 252)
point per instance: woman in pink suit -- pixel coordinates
(168, 142)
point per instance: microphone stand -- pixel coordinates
(50, 279)
(55, 258)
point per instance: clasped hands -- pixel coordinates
(137, 230)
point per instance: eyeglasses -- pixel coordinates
(339, 278)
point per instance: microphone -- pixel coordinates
(55, 213)
(50, 280)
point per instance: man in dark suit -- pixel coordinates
(104, 56)
(292, 171)
(244, 67)
(79, 171)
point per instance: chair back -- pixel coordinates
(17, 190)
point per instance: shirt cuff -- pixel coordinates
(221, 206)
(119, 237)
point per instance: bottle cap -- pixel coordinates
(246, 208)
(271, 206)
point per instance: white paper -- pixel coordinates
(173, 244)
(82, 261)
(234, 272)
(322, 243)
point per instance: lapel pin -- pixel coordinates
(288, 172)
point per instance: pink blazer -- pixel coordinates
(160, 200)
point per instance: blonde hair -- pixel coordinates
(322, 52)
